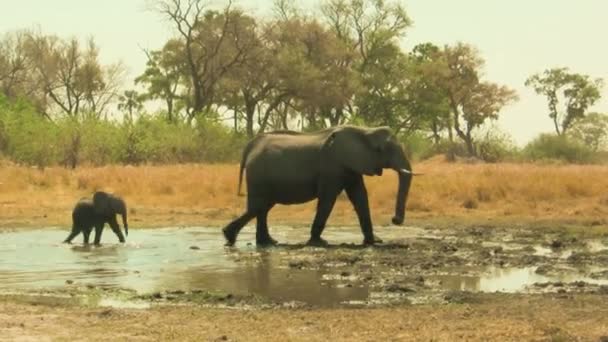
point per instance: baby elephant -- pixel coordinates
(102, 209)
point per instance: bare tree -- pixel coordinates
(214, 43)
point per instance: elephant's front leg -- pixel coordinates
(325, 205)
(116, 229)
(357, 194)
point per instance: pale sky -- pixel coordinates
(516, 38)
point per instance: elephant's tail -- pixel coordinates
(240, 180)
(241, 174)
(242, 168)
(243, 163)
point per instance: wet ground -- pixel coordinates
(191, 265)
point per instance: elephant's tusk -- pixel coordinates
(410, 172)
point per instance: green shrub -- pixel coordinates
(496, 146)
(151, 138)
(28, 138)
(554, 147)
(417, 146)
(218, 143)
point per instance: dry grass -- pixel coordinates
(206, 194)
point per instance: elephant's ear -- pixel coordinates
(379, 137)
(355, 149)
(101, 202)
(117, 204)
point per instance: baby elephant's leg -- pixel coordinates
(73, 234)
(85, 233)
(98, 230)
(116, 229)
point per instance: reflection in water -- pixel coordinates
(497, 279)
(267, 279)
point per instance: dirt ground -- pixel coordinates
(499, 318)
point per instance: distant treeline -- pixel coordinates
(227, 76)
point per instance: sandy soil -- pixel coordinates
(504, 318)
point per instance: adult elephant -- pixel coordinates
(96, 212)
(286, 167)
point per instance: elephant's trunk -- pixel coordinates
(124, 222)
(403, 168)
(405, 180)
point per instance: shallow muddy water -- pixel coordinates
(413, 265)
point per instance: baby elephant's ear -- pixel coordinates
(101, 202)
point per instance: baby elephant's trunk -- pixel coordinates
(124, 221)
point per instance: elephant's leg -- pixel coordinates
(325, 205)
(85, 233)
(233, 228)
(357, 194)
(255, 206)
(262, 236)
(98, 231)
(116, 229)
(73, 234)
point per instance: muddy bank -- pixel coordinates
(191, 266)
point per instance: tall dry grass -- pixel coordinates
(206, 194)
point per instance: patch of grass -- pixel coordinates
(206, 193)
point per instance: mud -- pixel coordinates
(191, 266)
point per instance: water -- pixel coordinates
(509, 280)
(169, 259)
(162, 259)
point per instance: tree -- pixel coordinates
(471, 101)
(592, 130)
(426, 98)
(164, 77)
(371, 31)
(129, 101)
(577, 92)
(16, 74)
(366, 25)
(214, 42)
(72, 79)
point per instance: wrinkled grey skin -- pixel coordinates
(286, 167)
(96, 212)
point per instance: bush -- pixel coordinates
(496, 146)
(28, 138)
(451, 150)
(151, 138)
(417, 146)
(217, 143)
(554, 147)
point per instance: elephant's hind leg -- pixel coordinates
(233, 228)
(262, 236)
(72, 235)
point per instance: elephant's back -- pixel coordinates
(284, 157)
(84, 205)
